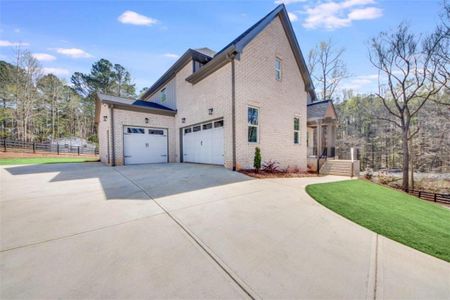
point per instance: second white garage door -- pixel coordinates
(203, 143)
(144, 145)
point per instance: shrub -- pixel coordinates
(257, 159)
(270, 166)
(369, 174)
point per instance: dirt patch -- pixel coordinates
(4, 155)
(277, 174)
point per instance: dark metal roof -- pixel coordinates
(206, 51)
(235, 47)
(245, 33)
(317, 110)
(184, 59)
(238, 44)
(133, 103)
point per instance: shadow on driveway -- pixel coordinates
(158, 180)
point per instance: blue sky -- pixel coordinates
(147, 36)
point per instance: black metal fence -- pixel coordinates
(32, 147)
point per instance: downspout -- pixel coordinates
(113, 150)
(233, 108)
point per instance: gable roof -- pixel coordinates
(238, 44)
(199, 55)
(219, 59)
(320, 110)
(134, 103)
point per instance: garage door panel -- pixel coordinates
(204, 143)
(145, 145)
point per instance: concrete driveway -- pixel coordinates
(192, 231)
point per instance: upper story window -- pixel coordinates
(253, 124)
(197, 66)
(296, 130)
(278, 68)
(163, 95)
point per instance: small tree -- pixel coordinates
(257, 159)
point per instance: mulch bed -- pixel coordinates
(277, 174)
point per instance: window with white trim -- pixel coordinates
(253, 124)
(296, 130)
(163, 95)
(278, 68)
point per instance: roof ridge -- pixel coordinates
(242, 35)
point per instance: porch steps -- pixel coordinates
(337, 167)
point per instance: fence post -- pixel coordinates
(57, 149)
(435, 197)
(78, 150)
(420, 192)
(34, 147)
(4, 144)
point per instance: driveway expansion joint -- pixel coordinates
(78, 233)
(239, 282)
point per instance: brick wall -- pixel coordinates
(133, 118)
(193, 102)
(103, 129)
(278, 101)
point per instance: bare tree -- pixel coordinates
(440, 40)
(27, 74)
(407, 78)
(327, 68)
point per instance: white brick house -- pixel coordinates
(216, 108)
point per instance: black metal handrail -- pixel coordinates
(322, 156)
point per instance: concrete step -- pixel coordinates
(337, 167)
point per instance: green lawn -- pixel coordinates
(43, 160)
(416, 223)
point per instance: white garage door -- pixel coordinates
(144, 145)
(204, 143)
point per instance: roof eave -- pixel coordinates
(141, 108)
(171, 72)
(223, 57)
(309, 86)
(216, 63)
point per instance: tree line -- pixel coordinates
(379, 143)
(405, 123)
(43, 107)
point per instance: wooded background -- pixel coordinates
(42, 107)
(404, 124)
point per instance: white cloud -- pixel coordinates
(4, 43)
(361, 82)
(171, 55)
(368, 13)
(73, 52)
(293, 17)
(131, 17)
(56, 71)
(44, 56)
(337, 14)
(17, 30)
(286, 2)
